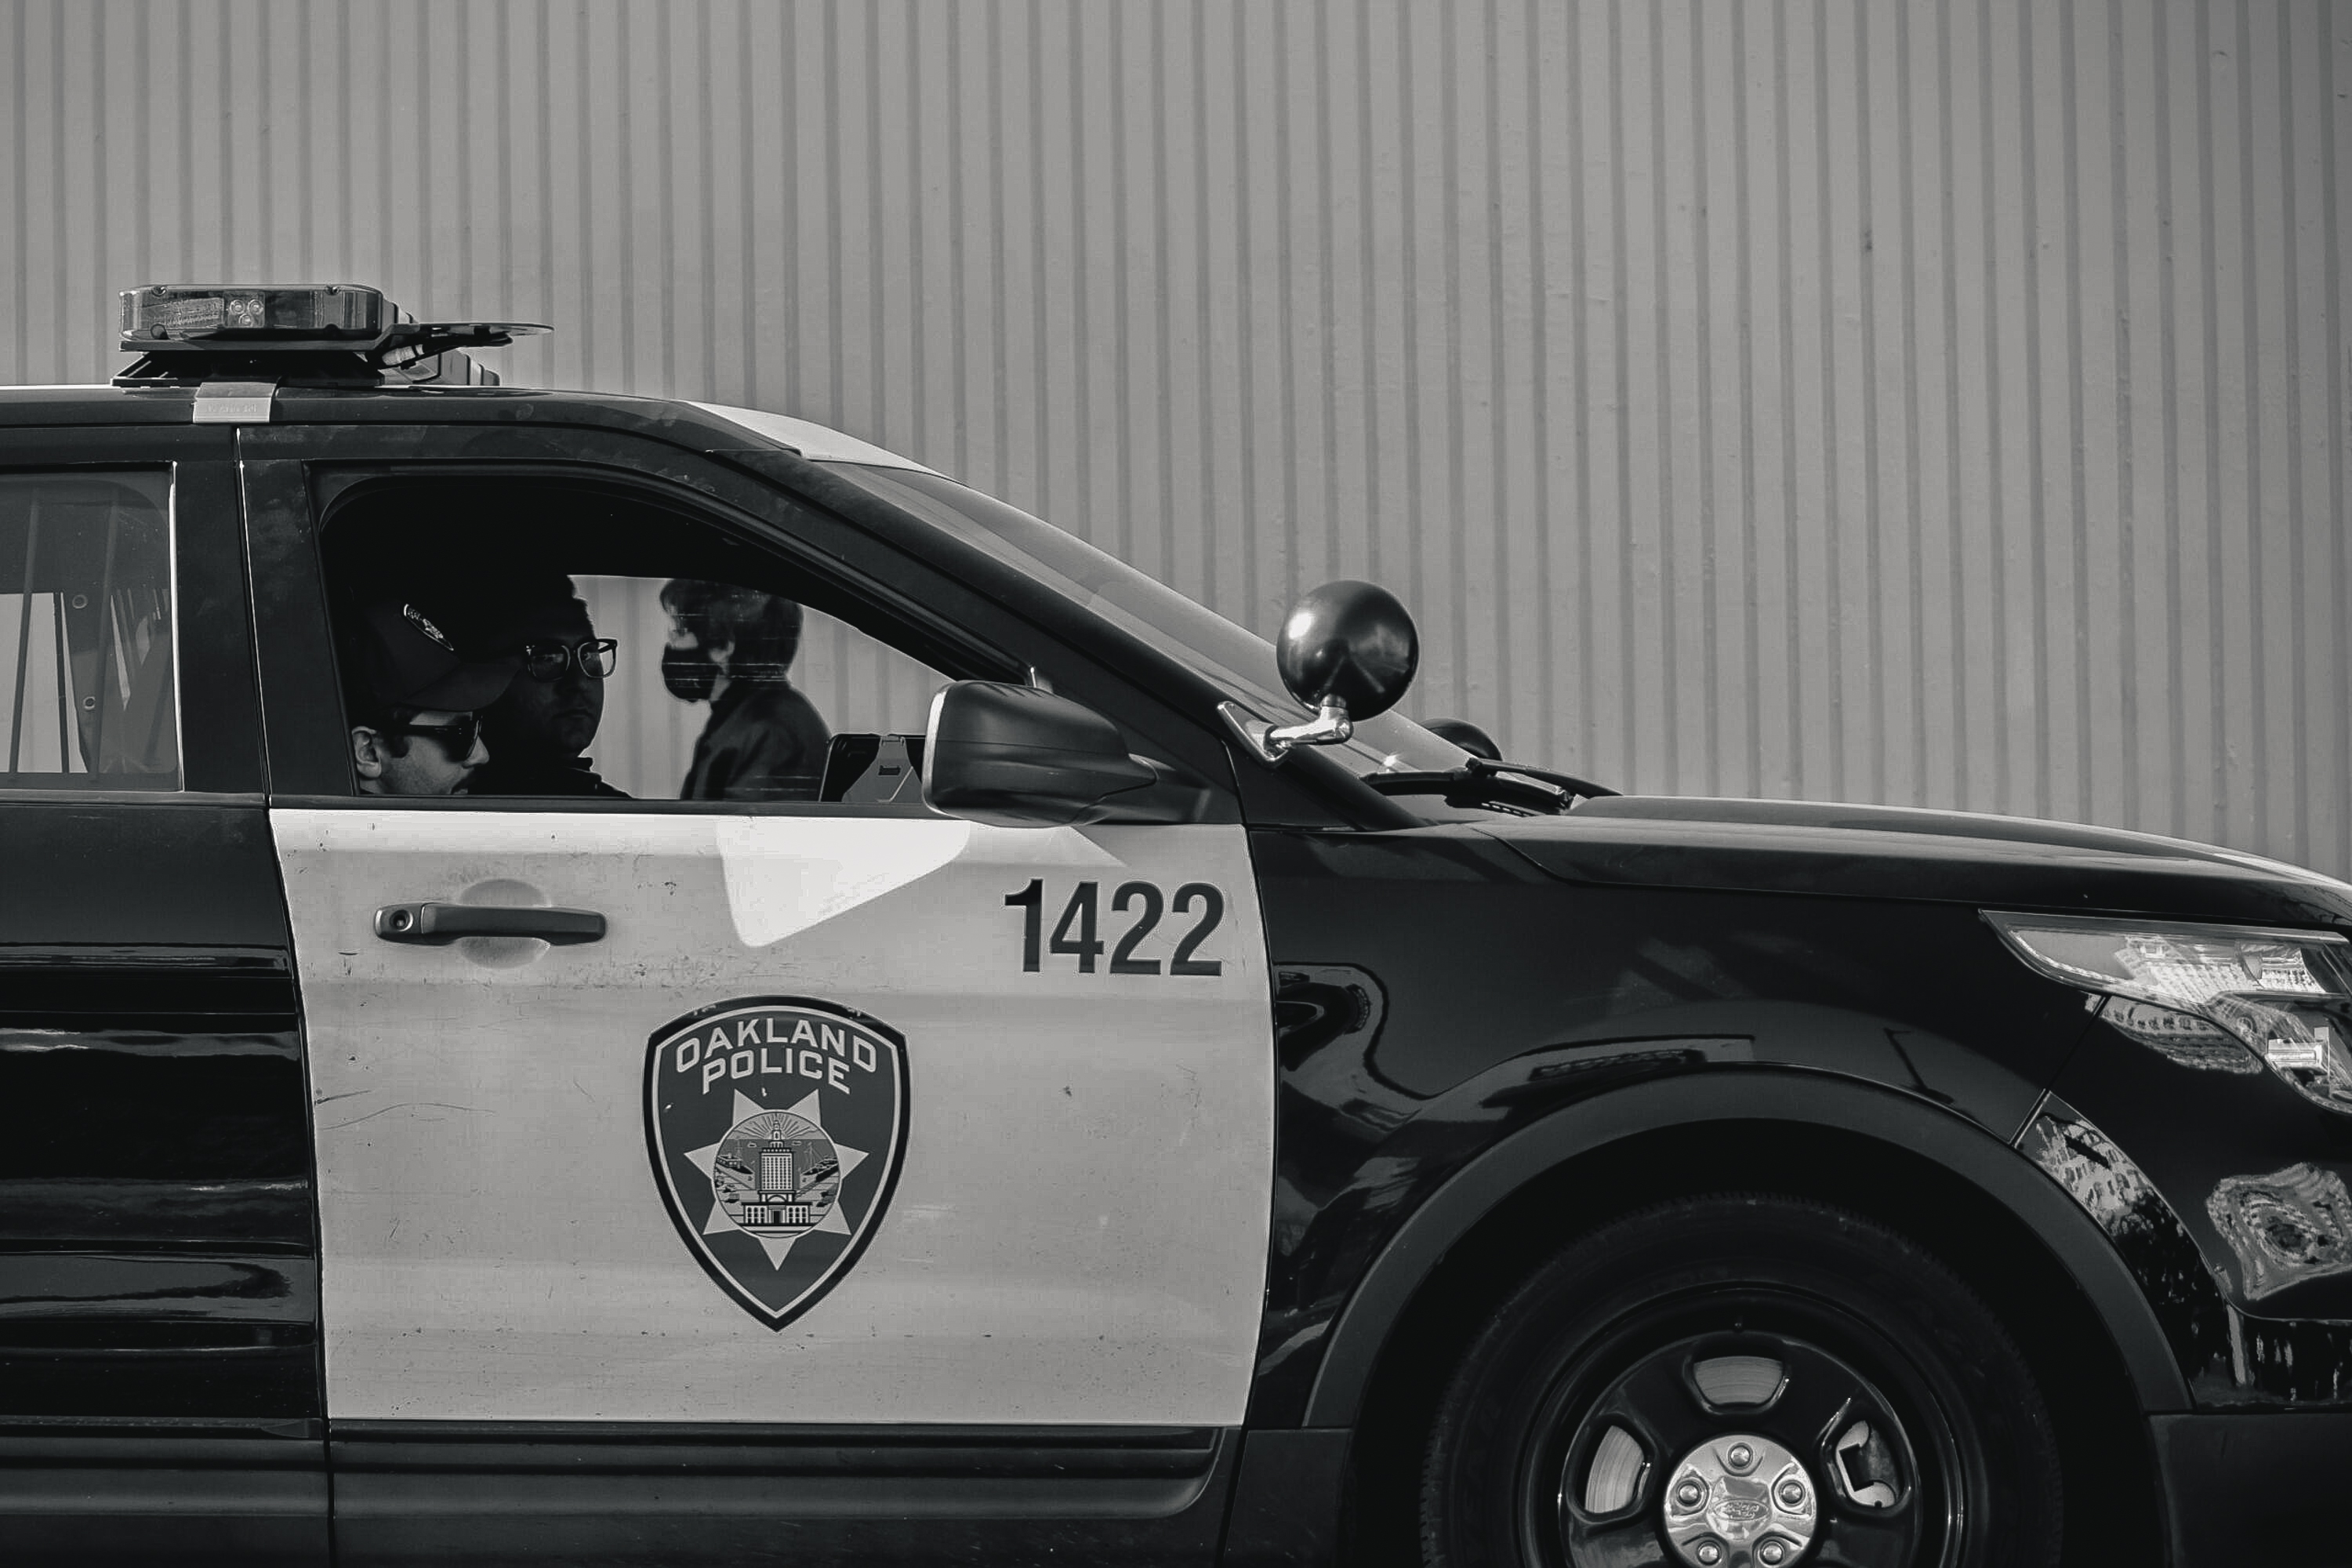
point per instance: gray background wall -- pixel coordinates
(1939, 404)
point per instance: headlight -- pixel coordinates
(2222, 997)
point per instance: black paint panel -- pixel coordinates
(260, 1213)
(157, 1239)
(564, 418)
(187, 1105)
(156, 1369)
(220, 726)
(2255, 1489)
(195, 1048)
(181, 873)
(151, 1097)
(215, 1296)
(1815, 852)
(2199, 1132)
(82, 1493)
(1286, 1497)
(2141, 1176)
(1436, 991)
(157, 1235)
(655, 1493)
(160, 414)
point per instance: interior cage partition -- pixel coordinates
(100, 689)
(23, 638)
(65, 680)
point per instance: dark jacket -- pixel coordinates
(764, 741)
(540, 775)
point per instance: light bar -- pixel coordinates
(164, 318)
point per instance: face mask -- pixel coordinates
(689, 673)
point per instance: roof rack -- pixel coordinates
(306, 334)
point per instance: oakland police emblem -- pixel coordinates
(775, 1124)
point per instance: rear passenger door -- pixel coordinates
(159, 1396)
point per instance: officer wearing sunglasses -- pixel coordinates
(541, 728)
(416, 727)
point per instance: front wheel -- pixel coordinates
(1742, 1381)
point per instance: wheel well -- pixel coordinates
(2113, 1505)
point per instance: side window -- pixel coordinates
(86, 694)
(534, 639)
(657, 711)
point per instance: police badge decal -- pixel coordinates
(775, 1126)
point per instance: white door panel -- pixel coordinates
(1078, 1228)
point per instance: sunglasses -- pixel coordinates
(596, 657)
(456, 737)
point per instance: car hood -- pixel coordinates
(1892, 852)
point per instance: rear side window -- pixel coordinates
(87, 692)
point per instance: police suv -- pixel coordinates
(1129, 1096)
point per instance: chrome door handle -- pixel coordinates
(436, 925)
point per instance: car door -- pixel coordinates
(893, 1166)
(159, 1392)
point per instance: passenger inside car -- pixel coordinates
(734, 648)
(411, 684)
(662, 657)
(540, 726)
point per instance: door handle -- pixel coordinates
(436, 925)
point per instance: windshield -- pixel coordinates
(1239, 662)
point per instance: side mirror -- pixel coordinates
(1348, 641)
(1015, 756)
(1347, 650)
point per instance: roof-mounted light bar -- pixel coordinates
(166, 318)
(331, 330)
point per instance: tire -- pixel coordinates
(1921, 1436)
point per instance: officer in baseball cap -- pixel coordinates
(414, 685)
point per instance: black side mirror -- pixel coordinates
(1352, 641)
(1347, 650)
(1015, 756)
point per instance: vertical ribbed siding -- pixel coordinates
(1939, 404)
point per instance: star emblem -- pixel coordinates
(777, 1248)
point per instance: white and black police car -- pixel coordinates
(590, 979)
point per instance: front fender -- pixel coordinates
(1414, 1255)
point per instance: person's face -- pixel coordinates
(424, 766)
(690, 668)
(558, 715)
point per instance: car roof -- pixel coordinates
(814, 442)
(35, 406)
(710, 426)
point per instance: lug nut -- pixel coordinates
(1740, 1457)
(1708, 1553)
(1771, 1553)
(1690, 1494)
(1792, 1494)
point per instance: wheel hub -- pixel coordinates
(1739, 1501)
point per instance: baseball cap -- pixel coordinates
(410, 662)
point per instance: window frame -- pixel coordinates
(292, 492)
(337, 487)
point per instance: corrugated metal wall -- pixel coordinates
(1939, 403)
